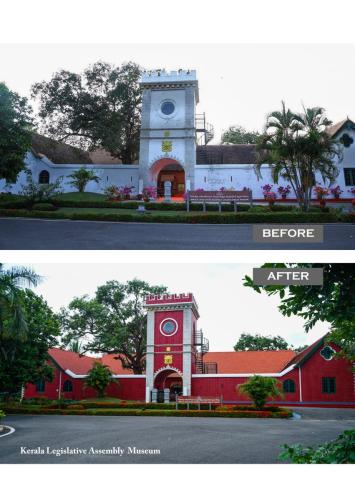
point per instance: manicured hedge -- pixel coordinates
(149, 413)
(44, 207)
(240, 218)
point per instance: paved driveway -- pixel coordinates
(178, 440)
(30, 234)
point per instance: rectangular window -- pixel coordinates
(328, 385)
(40, 385)
(349, 176)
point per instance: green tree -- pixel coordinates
(15, 133)
(82, 177)
(98, 378)
(249, 342)
(99, 108)
(237, 134)
(24, 351)
(333, 302)
(259, 389)
(112, 322)
(297, 146)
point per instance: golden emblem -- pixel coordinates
(166, 146)
(168, 359)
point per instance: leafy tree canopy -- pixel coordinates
(23, 355)
(297, 146)
(237, 134)
(114, 321)
(98, 108)
(333, 302)
(249, 342)
(15, 133)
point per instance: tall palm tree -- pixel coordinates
(297, 147)
(12, 281)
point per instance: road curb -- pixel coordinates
(11, 430)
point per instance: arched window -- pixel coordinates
(289, 385)
(68, 386)
(40, 385)
(43, 177)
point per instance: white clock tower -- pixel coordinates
(168, 130)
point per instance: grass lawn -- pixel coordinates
(80, 197)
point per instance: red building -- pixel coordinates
(178, 361)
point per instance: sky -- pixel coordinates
(238, 83)
(227, 308)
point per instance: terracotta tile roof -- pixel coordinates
(69, 360)
(115, 364)
(226, 154)
(80, 365)
(336, 127)
(58, 152)
(250, 361)
(103, 157)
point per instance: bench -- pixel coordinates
(219, 197)
(198, 400)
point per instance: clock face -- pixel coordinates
(168, 327)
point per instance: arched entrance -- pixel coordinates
(167, 169)
(168, 379)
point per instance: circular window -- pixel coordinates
(167, 108)
(168, 327)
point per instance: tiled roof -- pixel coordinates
(226, 154)
(250, 361)
(58, 152)
(69, 360)
(115, 364)
(80, 365)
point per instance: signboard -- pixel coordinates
(219, 196)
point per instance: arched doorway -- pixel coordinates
(168, 379)
(167, 169)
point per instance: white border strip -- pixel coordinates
(74, 375)
(10, 431)
(239, 375)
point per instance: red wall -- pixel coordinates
(126, 388)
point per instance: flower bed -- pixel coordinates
(284, 413)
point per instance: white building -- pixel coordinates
(173, 146)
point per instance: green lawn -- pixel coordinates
(80, 197)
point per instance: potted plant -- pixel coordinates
(149, 193)
(284, 191)
(266, 189)
(112, 193)
(336, 192)
(271, 198)
(126, 191)
(321, 192)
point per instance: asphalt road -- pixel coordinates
(31, 234)
(179, 440)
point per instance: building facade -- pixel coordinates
(174, 146)
(178, 361)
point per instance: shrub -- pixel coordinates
(2, 415)
(75, 407)
(35, 192)
(98, 378)
(81, 177)
(259, 389)
(339, 451)
(45, 207)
